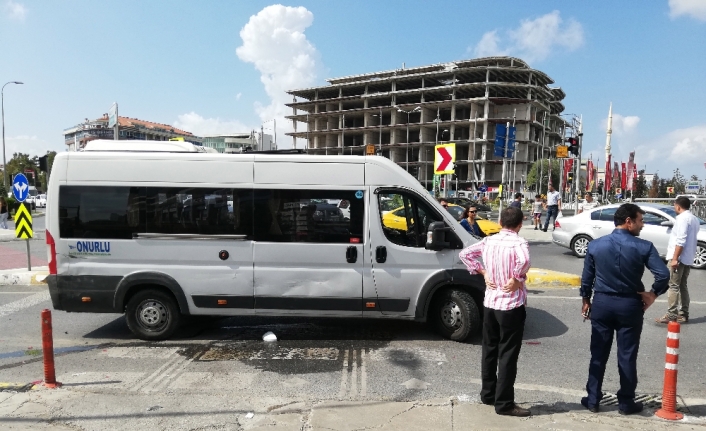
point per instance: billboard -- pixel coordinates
(113, 115)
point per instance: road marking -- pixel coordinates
(344, 376)
(21, 304)
(174, 358)
(363, 373)
(578, 298)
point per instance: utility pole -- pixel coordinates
(502, 181)
(577, 176)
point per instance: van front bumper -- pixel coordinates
(83, 293)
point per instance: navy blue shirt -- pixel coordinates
(516, 204)
(615, 263)
(473, 229)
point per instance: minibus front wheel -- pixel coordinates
(152, 315)
(455, 314)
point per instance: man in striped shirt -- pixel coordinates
(507, 260)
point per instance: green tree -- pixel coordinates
(678, 182)
(19, 163)
(641, 188)
(534, 173)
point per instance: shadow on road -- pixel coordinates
(541, 324)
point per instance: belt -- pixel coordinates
(634, 295)
(553, 205)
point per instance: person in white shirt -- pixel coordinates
(681, 251)
(587, 204)
(553, 204)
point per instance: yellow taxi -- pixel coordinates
(395, 219)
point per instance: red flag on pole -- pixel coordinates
(623, 176)
(589, 176)
(631, 166)
(634, 177)
(607, 178)
(616, 173)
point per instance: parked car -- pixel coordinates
(41, 201)
(576, 232)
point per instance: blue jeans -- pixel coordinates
(551, 210)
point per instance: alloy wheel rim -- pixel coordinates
(581, 246)
(700, 257)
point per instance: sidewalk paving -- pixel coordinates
(74, 409)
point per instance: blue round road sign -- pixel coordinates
(20, 187)
(483, 188)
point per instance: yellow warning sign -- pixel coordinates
(562, 152)
(444, 159)
(370, 150)
(23, 222)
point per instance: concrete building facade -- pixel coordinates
(77, 136)
(405, 112)
(238, 142)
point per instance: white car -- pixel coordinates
(576, 232)
(41, 201)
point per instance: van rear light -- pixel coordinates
(51, 253)
(557, 225)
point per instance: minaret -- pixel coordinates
(609, 131)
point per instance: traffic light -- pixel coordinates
(43, 163)
(570, 177)
(573, 146)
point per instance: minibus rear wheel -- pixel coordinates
(455, 314)
(152, 315)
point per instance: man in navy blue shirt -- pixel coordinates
(612, 272)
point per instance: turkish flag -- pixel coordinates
(589, 175)
(623, 176)
(607, 178)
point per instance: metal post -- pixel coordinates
(380, 138)
(29, 262)
(577, 176)
(502, 181)
(407, 145)
(275, 131)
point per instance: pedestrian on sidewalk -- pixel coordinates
(612, 273)
(506, 258)
(588, 204)
(537, 208)
(517, 203)
(553, 204)
(4, 212)
(469, 222)
(681, 251)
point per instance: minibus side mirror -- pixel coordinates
(436, 236)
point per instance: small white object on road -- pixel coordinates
(269, 336)
(250, 415)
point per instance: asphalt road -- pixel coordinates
(322, 359)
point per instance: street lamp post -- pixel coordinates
(4, 160)
(416, 109)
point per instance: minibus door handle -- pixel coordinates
(381, 254)
(352, 254)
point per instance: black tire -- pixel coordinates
(152, 315)
(455, 314)
(579, 245)
(700, 258)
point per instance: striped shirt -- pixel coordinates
(506, 255)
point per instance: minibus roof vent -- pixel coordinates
(146, 146)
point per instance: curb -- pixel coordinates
(546, 278)
(23, 278)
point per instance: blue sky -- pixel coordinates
(222, 66)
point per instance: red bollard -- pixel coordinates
(48, 349)
(669, 393)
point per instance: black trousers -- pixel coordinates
(622, 316)
(502, 340)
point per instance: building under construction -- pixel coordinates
(405, 112)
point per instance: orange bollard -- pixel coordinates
(48, 350)
(669, 393)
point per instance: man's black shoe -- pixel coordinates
(544, 230)
(635, 408)
(584, 402)
(516, 411)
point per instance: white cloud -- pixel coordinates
(238, 96)
(275, 43)
(694, 8)
(200, 126)
(16, 11)
(687, 145)
(534, 40)
(622, 125)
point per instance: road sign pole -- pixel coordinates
(502, 181)
(29, 262)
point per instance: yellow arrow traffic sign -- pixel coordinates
(444, 159)
(23, 222)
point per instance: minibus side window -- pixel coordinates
(319, 216)
(100, 212)
(405, 218)
(193, 210)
